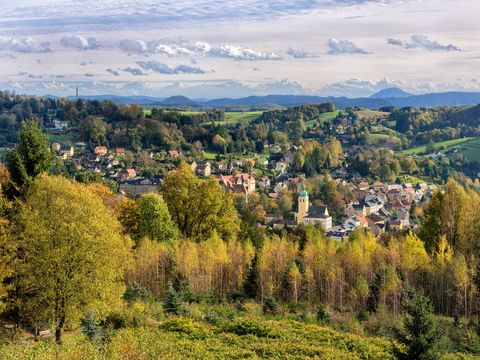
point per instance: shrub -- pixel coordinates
(249, 327)
(135, 292)
(322, 314)
(270, 306)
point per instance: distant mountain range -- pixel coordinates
(388, 97)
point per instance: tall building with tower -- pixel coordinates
(311, 215)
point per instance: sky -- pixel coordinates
(235, 48)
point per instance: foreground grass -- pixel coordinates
(447, 144)
(181, 338)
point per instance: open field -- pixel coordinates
(61, 138)
(371, 114)
(447, 144)
(241, 116)
(470, 149)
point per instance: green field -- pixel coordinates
(447, 144)
(61, 139)
(470, 149)
(235, 117)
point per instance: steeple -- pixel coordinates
(302, 205)
(76, 91)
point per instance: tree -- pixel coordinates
(250, 287)
(172, 303)
(419, 335)
(72, 257)
(90, 327)
(199, 206)
(31, 157)
(154, 220)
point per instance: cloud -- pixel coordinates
(24, 45)
(199, 48)
(133, 46)
(161, 68)
(79, 42)
(134, 71)
(355, 88)
(344, 47)
(300, 54)
(241, 53)
(62, 15)
(113, 72)
(89, 75)
(395, 42)
(423, 42)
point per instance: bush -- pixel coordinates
(249, 327)
(363, 315)
(322, 314)
(135, 292)
(270, 306)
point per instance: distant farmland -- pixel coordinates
(447, 144)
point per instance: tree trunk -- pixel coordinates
(59, 329)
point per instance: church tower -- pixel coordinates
(303, 205)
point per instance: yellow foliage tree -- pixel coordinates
(73, 257)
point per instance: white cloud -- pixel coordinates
(344, 47)
(423, 42)
(24, 45)
(395, 42)
(185, 48)
(134, 71)
(133, 46)
(242, 53)
(355, 88)
(161, 68)
(300, 54)
(79, 42)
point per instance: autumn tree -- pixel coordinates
(154, 220)
(31, 157)
(199, 206)
(72, 256)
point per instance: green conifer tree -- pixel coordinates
(172, 303)
(419, 335)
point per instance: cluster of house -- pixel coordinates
(107, 163)
(381, 207)
(377, 207)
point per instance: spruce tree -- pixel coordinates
(419, 335)
(250, 287)
(172, 303)
(90, 328)
(31, 157)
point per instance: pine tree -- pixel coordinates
(172, 303)
(270, 306)
(90, 327)
(250, 287)
(31, 157)
(420, 335)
